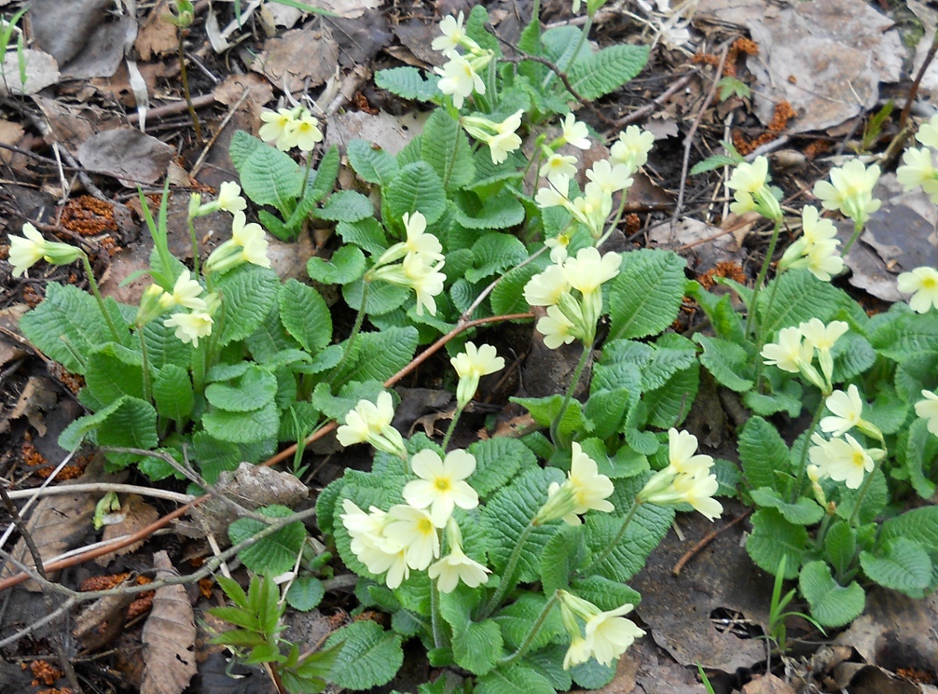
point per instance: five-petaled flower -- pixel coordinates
(442, 485)
(922, 284)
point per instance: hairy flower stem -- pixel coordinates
(145, 364)
(439, 636)
(615, 220)
(857, 228)
(184, 76)
(577, 372)
(761, 336)
(802, 462)
(762, 273)
(195, 248)
(535, 630)
(615, 541)
(507, 582)
(864, 488)
(93, 283)
(356, 329)
(452, 428)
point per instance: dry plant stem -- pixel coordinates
(218, 131)
(648, 109)
(913, 90)
(706, 540)
(184, 75)
(173, 108)
(37, 561)
(689, 140)
(97, 487)
(209, 567)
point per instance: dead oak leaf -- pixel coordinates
(300, 58)
(168, 636)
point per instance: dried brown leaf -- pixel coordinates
(157, 36)
(168, 636)
(138, 514)
(127, 154)
(299, 59)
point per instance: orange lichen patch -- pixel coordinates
(339, 619)
(740, 45)
(632, 224)
(88, 216)
(915, 675)
(44, 673)
(361, 101)
(724, 268)
(140, 606)
(63, 690)
(816, 148)
(110, 245)
(205, 587)
(780, 117)
(103, 582)
(74, 382)
(371, 616)
(33, 458)
(32, 297)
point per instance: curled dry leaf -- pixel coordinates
(168, 637)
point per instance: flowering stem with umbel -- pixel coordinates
(356, 329)
(93, 283)
(615, 541)
(762, 273)
(802, 462)
(507, 582)
(452, 427)
(857, 228)
(577, 372)
(532, 634)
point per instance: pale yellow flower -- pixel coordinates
(608, 176)
(580, 651)
(823, 338)
(574, 133)
(187, 292)
(588, 271)
(371, 422)
(459, 79)
(190, 327)
(555, 328)
(918, 169)
(632, 148)
(850, 191)
(442, 485)
(558, 167)
(545, 288)
(456, 567)
(229, 198)
(788, 353)
(303, 132)
(847, 409)
(682, 454)
(29, 249)
(584, 490)
(471, 365)
(750, 181)
(558, 248)
(454, 34)
(842, 460)
(928, 409)
(928, 133)
(414, 530)
(922, 284)
(275, 127)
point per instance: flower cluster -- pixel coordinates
(687, 479)
(918, 164)
(501, 138)
(247, 244)
(922, 284)
(471, 365)
(850, 191)
(570, 317)
(584, 490)
(606, 177)
(796, 346)
(842, 457)
(420, 269)
(229, 200)
(816, 250)
(290, 127)
(192, 324)
(31, 247)
(407, 536)
(604, 635)
(751, 183)
(461, 72)
(370, 422)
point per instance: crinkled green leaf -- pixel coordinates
(305, 315)
(346, 206)
(669, 405)
(416, 188)
(214, 456)
(787, 399)
(500, 211)
(906, 334)
(803, 512)
(725, 360)
(544, 410)
(560, 557)
(346, 265)
(370, 656)
(512, 679)
(268, 176)
(243, 427)
(604, 72)
(646, 295)
(248, 293)
(900, 564)
(172, 392)
(762, 452)
(114, 371)
(592, 674)
(921, 450)
(840, 545)
(657, 363)
(274, 554)
(270, 339)
(832, 605)
(645, 531)
(478, 647)
(494, 253)
(368, 234)
(800, 296)
(853, 355)
(606, 593)
(305, 593)
(508, 295)
(255, 389)
(382, 297)
(875, 500)
(378, 356)
(445, 147)
(772, 538)
(163, 347)
(515, 621)
(408, 83)
(497, 461)
(371, 162)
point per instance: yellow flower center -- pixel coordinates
(929, 283)
(858, 459)
(442, 484)
(425, 527)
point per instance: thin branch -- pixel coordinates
(93, 487)
(706, 540)
(648, 109)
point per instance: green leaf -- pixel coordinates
(799, 297)
(416, 188)
(367, 234)
(67, 316)
(478, 647)
(274, 554)
(319, 185)
(592, 674)
(305, 315)
(832, 605)
(560, 558)
(725, 360)
(268, 176)
(906, 335)
(494, 253)
(236, 616)
(163, 347)
(646, 295)
(544, 410)
(480, 211)
(727, 323)
(803, 512)
(114, 371)
(516, 619)
(900, 564)
(243, 427)
(233, 590)
(840, 546)
(497, 461)
(305, 593)
(346, 206)
(445, 147)
(346, 265)
(337, 406)
(657, 363)
(669, 405)
(645, 531)
(920, 453)
(548, 662)
(508, 295)
(762, 452)
(877, 496)
(512, 679)
(248, 293)
(254, 390)
(606, 593)
(787, 399)
(378, 356)
(606, 410)
(772, 538)
(382, 297)
(408, 83)
(853, 355)
(607, 70)
(509, 512)
(370, 162)
(370, 656)
(172, 393)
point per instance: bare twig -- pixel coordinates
(218, 131)
(706, 540)
(913, 90)
(93, 487)
(648, 109)
(689, 140)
